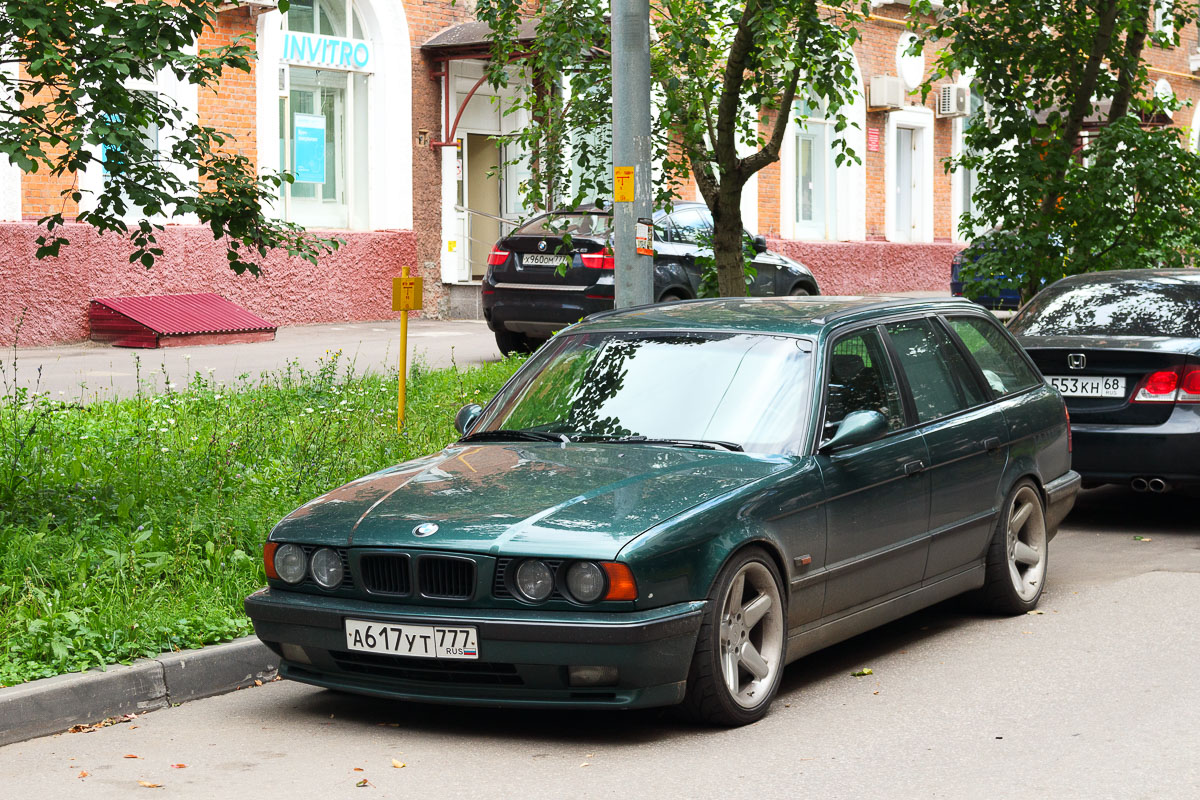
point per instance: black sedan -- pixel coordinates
(1123, 348)
(536, 284)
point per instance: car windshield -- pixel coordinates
(738, 389)
(573, 224)
(1162, 306)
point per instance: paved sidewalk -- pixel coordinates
(90, 370)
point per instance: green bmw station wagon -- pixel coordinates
(668, 504)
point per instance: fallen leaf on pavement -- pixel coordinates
(149, 785)
(358, 769)
(83, 774)
(364, 783)
(258, 683)
(398, 764)
(1035, 612)
(179, 766)
(1142, 539)
(862, 672)
(95, 726)
(585, 764)
(130, 755)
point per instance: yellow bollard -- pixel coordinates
(406, 296)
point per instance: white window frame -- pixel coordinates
(920, 120)
(10, 174)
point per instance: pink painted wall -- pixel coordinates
(353, 283)
(873, 267)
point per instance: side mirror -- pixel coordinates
(858, 427)
(760, 244)
(466, 417)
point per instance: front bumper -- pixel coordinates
(1119, 453)
(523, 654)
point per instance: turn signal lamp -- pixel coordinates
(621, 585)
(497, 257)
(602, 260)
(269, 560)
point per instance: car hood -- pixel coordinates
(528, 498)
(1157, 344)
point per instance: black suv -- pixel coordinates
(526, 298)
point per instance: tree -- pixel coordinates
(72, 105)
(726, 72)
(1076, 169)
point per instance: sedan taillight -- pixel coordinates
(497, 257)
(1158, 387)
(1189, 386)
(601, 260)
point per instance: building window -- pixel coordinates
(1164, 17)
(909, 177)
(323, 114)
(813, 182)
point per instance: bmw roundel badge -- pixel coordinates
(542, 245)
(425, 529)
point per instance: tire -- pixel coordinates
(753, 654)
(1017, 556)
(510, 342)
(671, 297)
(799, 291)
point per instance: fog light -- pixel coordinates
(592, 676)
(296, 653)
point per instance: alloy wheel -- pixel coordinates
(751, 634)
(1026, 543)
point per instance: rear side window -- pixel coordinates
(939, 378)
(861, 379)
(688, 224)
(1003, 367)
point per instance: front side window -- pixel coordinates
(747, 389)
(861, 379)
(939, 378)
(1003, 367)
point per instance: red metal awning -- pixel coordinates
(182, 318)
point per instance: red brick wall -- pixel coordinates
(231, 106)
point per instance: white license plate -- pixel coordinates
(417, 641)
(1088, 385)
(539, 260)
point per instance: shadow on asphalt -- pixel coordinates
(1102, 510)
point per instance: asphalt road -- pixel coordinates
(90, 370)
(1097, 697)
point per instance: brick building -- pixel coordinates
(379, 108)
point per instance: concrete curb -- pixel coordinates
(54, 704)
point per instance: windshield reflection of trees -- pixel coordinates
(1125, 308)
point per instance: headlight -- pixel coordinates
(585, 581)
(326, 568)
(534, 581)
(290, 563)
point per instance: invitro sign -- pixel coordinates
(328, 52)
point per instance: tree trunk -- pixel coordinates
(727, 242)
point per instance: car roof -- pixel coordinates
(1164, 276)
(785, 315)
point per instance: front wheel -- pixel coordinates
(739, 654)
(799, 291)
(1016, 560)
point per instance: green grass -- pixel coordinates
(133, 527)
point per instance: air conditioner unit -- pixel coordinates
(887, 91)
(953, 101)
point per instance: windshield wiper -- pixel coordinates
(505, 434)
(699, 444)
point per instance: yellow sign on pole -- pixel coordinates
(406, 296)
(406, 292)
(623, 184)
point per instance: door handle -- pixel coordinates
(913, 467)
(992, 443)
